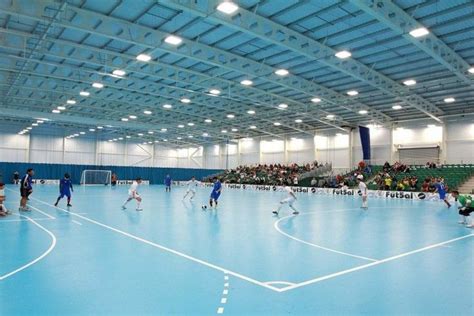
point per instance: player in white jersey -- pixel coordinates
(363, 191)
(133, 194)
(290, 199)
(192, 185)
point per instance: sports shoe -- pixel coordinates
(56, 204)
(470, 226)
(123, 207)
(69, 205)
(462, 222)
(296, 213)
(275, 212)
(139, 209)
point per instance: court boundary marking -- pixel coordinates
(43, 255)
(249, 279)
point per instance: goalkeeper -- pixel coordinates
(465, 208)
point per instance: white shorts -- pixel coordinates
(289, 200)
(131, 196)
(191, 190)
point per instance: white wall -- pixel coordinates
(341, 149)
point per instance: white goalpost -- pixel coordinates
(96, 177)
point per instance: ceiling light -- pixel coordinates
(173, 40)
(352, 93)
(119, 72)
(99, 127)
(246, 82)
(34, 124)
(179, 138)
(253, 127)
(224, 131)
(227, 7)
(419, 32)
(190, 124)
(471, 70)
(144, 57)
(140, 134)
(208, 120)
(205, 134)
(147, 112)
(282, 72)
(71, 102)
(449, 100)
(128, 136)
(91, 130)
(150, 143)
(98, 85)
(315, 100)
(29, 128)
(62, 108)
(190, 136)
(231, 116)
(397, 107)
(165, 140)
(151, 132)
(39, 121)
(167, 106)
(298, 121)
(214, 91)
(56, 111)
(75, 135)
(330, 116)
(409, 82)
(133, 117)
(157, 141)
(283, 105)
(235, 130)
(124, 119)
(120, 138)
(82, 133)
(85, 93)
(363, 112)
(343, 54)
(185, 100)
(277, 124)
(164, 130)
(180, 126)
(251, 112)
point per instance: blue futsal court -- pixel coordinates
(399, 257)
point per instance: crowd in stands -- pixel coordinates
(270, 174)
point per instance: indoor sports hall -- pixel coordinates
(236, 157)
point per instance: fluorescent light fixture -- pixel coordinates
(190, 124)
(144, 57)
(409, 82)
(165, 140)
(246, 82)
(119, 72)
(167, 106)
(84, 93)
(39, 121)
(124, 119)
(140, 134)
(205, 134)
(157, 141)
(277, 124)
(180, 126)
(230, 116)
(215, 91)
(282, 72)
(235, 130)
(120, 138)
(82, 133)
(330, 116)
(179, 138)
(315, 100)
(147, 112)
(431, 126)
(56, 111)
(352, 93)
(251, 112)
(471, 70)
(253, 127)
(449, 100)
(150, 143)
(151, 132)
(61, 108)
(224, 131)
(173, 40)
(298, 121)
(100, 127)
(34, 124)
(397, 107)
(91, 130)
(190, 136)
(98, 85)
(282, 105)
(343, 54)
(133, 117)
(71, 102)
(29, 128)
(339, 134)
(421, 31)
(363, 112)
(164, 130)
(128, 136)
(185, 100)
(208, 120)
(227, 7)
(75, 135)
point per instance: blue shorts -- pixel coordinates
(442, 195)
(63, 194)
(215, 195)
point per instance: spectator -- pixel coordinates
(314, 182)
(16, 177)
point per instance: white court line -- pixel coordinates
(76, 222)
(314, 245)
(51, 247)
(210, 265)
(40, 211)
(24, 220)
(280, 282)
(365, 266)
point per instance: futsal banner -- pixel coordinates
(364, 133)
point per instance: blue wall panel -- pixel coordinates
(57, 171)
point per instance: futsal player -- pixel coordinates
(290, 199)
(133, 195)
(26, 188)
(3, 208)
(465, 209)
(168, 183)
(192, 185)
(216, 192)
(65, 189)
(441, 189)
(363, 191)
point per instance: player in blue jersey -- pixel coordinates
(65, 189)
(216, 192)
(441, 189)
(168, 183)
(26, 188)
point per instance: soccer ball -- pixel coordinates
(204, 207)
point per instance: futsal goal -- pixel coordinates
(96, 177)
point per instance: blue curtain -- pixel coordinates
(57, 171)
(365, 141)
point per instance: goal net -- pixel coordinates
(96, 177)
